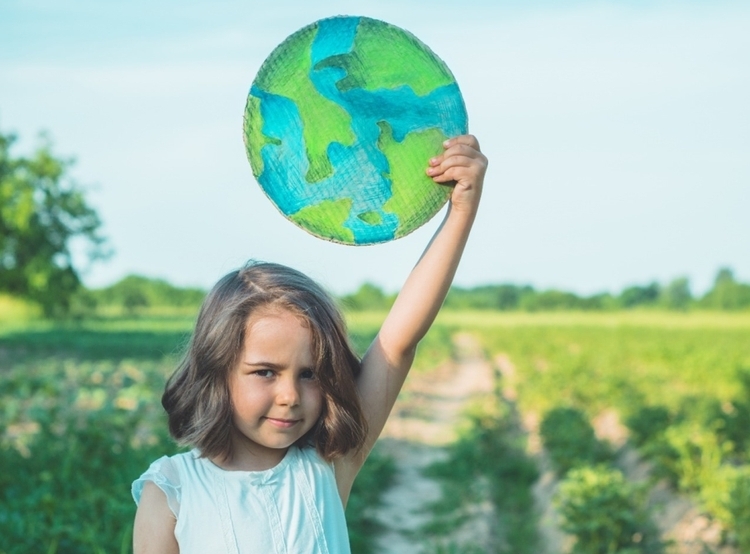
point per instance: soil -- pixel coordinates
(424, 421)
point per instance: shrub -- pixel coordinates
(647, 424)
(569, 439)
(375, 478)
(71, 493)
(488, 462)
(699, 454)
(605, 513)
(739, 508)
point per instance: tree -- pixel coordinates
(136, 291)
(640, 295)
(548, 300)
(367, 297)
(676, 295)
(42, 211)
(727, 294)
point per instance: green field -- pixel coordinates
(677, 383)
(621, 360)
(81, 418)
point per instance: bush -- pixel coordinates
(70, 493)
(488, 462)
(605, 513)
(647, 424)
(693, 458)
(375, 477)
(570, 441)
(739, 508)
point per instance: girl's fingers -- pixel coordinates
(456, 148)
(453, 161)
(462, 153)
(443, 178)
(450, 175)
(468, 140)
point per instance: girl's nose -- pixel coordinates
(287, 393)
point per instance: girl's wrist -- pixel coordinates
(462, 215)
(468, 207)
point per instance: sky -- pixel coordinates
(618, 135)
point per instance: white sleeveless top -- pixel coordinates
(292, 508)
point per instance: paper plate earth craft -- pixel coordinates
(340, 124)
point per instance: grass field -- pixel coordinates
(677, 383)
(598, 361)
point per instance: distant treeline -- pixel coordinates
(135, 294)
(726, 294)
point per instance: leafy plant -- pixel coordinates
(69, 493)
(739, 507)
(374, 478)
(569, 439)
(648, 423)
(605, 513)
(488, 462)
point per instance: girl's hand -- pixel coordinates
(465, 164)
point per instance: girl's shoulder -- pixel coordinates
(310, 456)
(169, 473)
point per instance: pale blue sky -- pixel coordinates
(618, 134)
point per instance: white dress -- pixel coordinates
(292, 508)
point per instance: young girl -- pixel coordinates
(280, 412)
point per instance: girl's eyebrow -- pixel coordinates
(272, 365)
(269, 365)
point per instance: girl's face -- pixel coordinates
(275, 394)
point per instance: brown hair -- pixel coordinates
(196, 396)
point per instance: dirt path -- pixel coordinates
(422, 424)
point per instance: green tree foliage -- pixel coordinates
(492, 297)
(635, 296)
(554, 300)
(727, 293)
(135, 292)
(522, 297)
(549, 300)
(41, 212)
(368, 297)
(677, 295)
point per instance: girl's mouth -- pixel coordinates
(283, 423)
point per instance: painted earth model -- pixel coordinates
(339, 126)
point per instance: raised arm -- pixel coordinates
(389, 358)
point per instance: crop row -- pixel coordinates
(683, 393)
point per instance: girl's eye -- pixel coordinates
(263, 373)
(308, 374)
